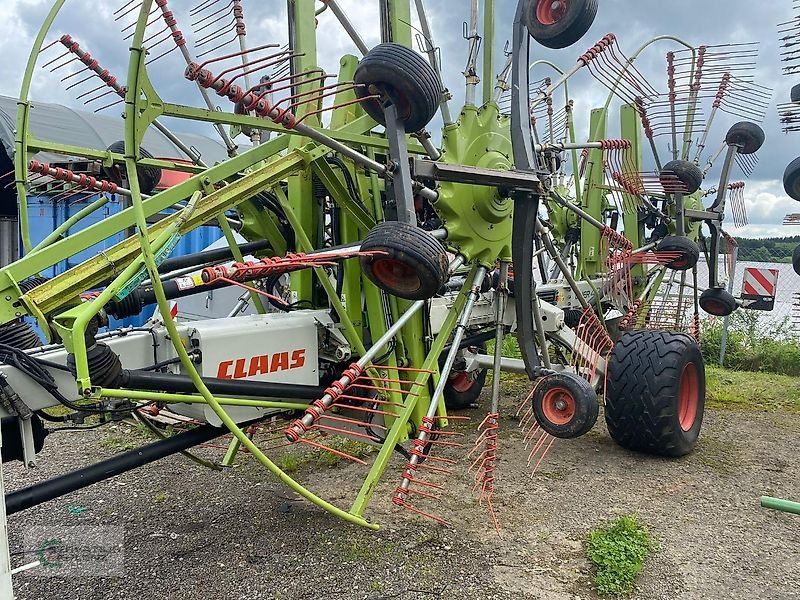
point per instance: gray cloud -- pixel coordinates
(634, 22)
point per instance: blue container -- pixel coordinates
(46, 215)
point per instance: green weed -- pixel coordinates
(618, 552)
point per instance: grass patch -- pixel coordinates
(748, 391)
(123, 437)
(618, 552)
(292, 461)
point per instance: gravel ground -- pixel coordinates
(172, 531)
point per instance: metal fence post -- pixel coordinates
(723, 346)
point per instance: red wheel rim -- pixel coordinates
(550, 12)
(689, 397)
(559, 406)
(396, 274)
(461, 382)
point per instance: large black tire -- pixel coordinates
(796, 260)
(565, 405)
(688, 173)
(148, 176)
(791, 179)
(689, 252)
(795, 95)
(748, 136)
(718, 302)
(409, 263)
(559, 23)
(403, 78)
(656, 392)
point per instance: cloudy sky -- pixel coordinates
(633, 21)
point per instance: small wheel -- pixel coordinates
(688, 173)
(403, 78)
(565, 406)
(688, 253)
(464, 388)
(748, 136)
(791, 179)
(796, 260)
(409, 263)
(148, 176)
(718, 303)
(795, 95)
(656, 392)
(559, 23)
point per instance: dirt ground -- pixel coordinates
(184, 533)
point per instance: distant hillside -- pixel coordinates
(768, 249)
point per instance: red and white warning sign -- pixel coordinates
(760, 288)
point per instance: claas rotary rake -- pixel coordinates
(382, 259)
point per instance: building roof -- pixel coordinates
(61, 124)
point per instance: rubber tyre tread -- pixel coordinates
(642, 392)
(796, 260)
(719, 298)
(562, 34)
(148, 176)
(455, 400)
(791, 179)
(795, 94)
(747, 135)
(688, 173)
(406, 74)
(414, 246)
(677, 243)
(587, 406)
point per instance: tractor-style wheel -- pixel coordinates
(718, 302)
(559, 23)
(399, 76)
(148, 176)
(656, 392)
(565, 406)
(686, 251)
(407, 262)
(791, 179)
(748, 136)
(688, 173)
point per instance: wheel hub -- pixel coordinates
(559, 406)
(550, 12)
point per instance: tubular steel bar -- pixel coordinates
(786, 506)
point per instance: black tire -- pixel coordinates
(791, 179)
(558, 24)
(656, 391)
(403, 78)
(464, 388)
(410, 264)
(796, 260)
(688, 250)
(148, 176)
(565, 405)
(795, 95)
(718, 302)
(748, 136)
(688, 173)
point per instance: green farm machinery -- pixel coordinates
(383, 260)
